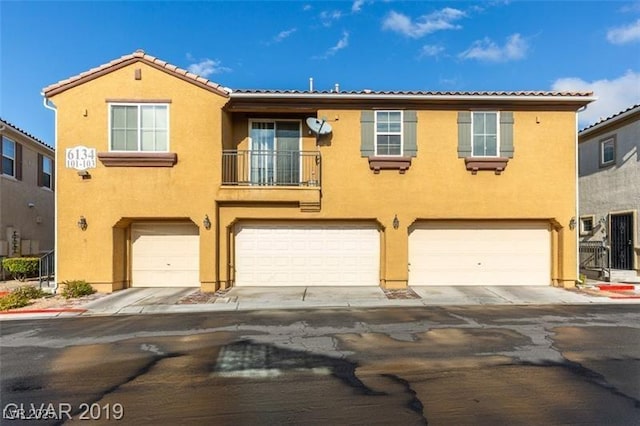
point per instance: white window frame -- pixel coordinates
(603, 142)
(583, 219)
(275, 139)
(139, 129)
(497, 113)
(15, 148)
(376, 133)
(44, 160)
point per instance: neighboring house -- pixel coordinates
(198, 185)
(26, 193)
(609, 181)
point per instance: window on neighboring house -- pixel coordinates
(11, 158)
(45, 179)
(143, 127)
(586, 225)
(388, 133)
(608, 151)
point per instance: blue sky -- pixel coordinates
(381, 45)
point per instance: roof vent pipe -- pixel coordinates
(337, 88)
(311, 84)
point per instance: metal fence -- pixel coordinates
(271, 168)
(46, 271)
(595, 257)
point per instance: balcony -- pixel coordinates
(272, 168)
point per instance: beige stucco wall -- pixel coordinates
(115, 196)
(33, 223)
(538, 183)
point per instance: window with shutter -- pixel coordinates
(388, 139)
(485, 139)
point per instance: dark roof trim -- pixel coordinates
(27, 135)
(610, 121)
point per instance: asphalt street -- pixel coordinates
(480, 365)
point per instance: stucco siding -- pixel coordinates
(25, 206)
(538, 184)
(605, 190)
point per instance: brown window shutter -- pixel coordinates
(18, 161)
(53, 174)
(40, 168)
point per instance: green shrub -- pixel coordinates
(13, 301)
(21, 268)
(29, 292)
(76, 288)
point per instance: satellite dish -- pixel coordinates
(319, 127)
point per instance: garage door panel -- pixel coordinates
(165, 255)
(307, 254)
(480, 253)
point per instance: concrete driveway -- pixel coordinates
(159, 300)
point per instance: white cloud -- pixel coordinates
(487, 50)
(357, 6)
(613, 95)
(307, 7)
(342, 43)
(431, 50)
(625, 34)
(437, 21)
(328, 17)
(284, 34)
(206, 67)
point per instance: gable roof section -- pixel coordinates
(137, 56)
(17, 129)
(605, 124)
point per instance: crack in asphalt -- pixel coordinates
(414, 404)
(588, 374)
(136, 374)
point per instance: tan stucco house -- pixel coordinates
(609, 178)
(184, 182)
(27, 184)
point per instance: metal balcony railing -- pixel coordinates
(271, 168)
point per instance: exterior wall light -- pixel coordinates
(572, 223)
(396, 222)
(206, 222)
(82, 223)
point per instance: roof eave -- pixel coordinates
(612, 122)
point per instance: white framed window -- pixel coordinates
(586, 225)
(139, 127)
(485, 134)
(8, 157)
(608, 151)
(388, 127)
(47, 173)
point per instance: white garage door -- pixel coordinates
(307, 255)
(480, 253)
(165, 255)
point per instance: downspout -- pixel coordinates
(577, 215)
(49, 105)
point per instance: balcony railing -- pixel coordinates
(271, 168)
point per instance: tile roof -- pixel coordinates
(138, 55)
(411, 92)
(611, 117)
(29, 135)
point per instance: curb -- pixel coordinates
(616, 287)
(43, 311)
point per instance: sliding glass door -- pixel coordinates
(275, 152)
